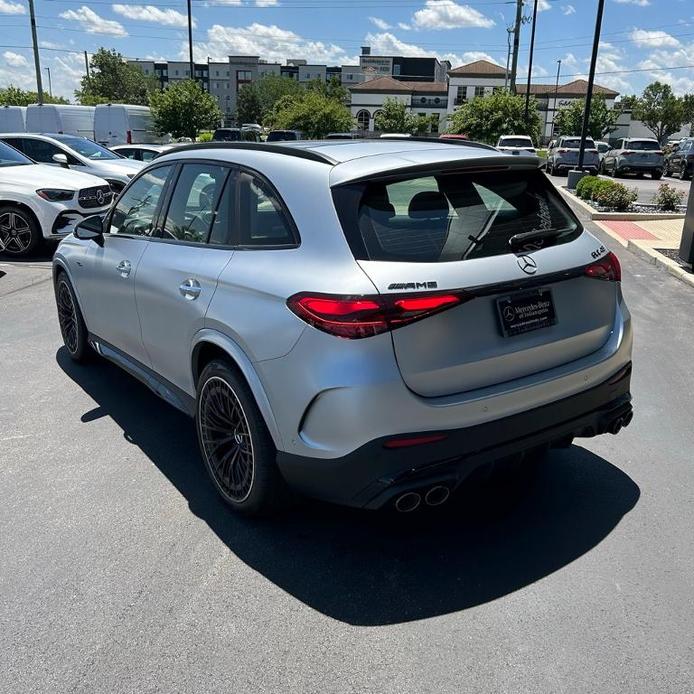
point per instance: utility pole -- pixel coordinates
(190, 41)
(50, 86)
(591, 80)
(509, 31)
(556, 92)
(516, 43)
(86, 65)
(37, 60)
(530, 62)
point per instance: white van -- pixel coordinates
(124, 124)
(61, 119)
(13, 119)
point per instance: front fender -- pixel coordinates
(245, 365)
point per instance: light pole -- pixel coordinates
(516, 44)
(37, 61)
(589, 91)
(190, 41)
(556, 93)
(50, 86)
(530, 62)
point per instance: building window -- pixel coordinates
(396, 70)
(460, 96)
(176, 73)
(363, 119)
(243, 77)
(479, 91)
(187, 73)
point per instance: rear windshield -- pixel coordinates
(515, 142)
(226, 135)
(280, 135)
(603, 147)
(451, 217)
(575, 143)
(643, 145)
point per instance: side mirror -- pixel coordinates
(61, 159)
(91, 229)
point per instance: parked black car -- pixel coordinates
(680, 162)
(235, 135)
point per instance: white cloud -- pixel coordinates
(447, 14)
(270, 41)
(472, 56)
(9, 7)
(653, 39)
(404, 27)
(93, 23)
(150, 13)
(380, 23)
(66, 71)
(568, 10)
(640, 3)
(543, 5)
(659, 61)
(266, 3)
(15, 59)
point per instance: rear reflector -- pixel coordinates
(607, 268)
(355, 317)
(407, 441)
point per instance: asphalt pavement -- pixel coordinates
(121, 571)
(646, 186)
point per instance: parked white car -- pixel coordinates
(38, 201)
(143, 153)
(516, 144)
(76, 153)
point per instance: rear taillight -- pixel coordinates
(607, 268)
(355, 317)
(563, 151)
(658, 151)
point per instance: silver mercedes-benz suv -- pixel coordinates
(365, 322)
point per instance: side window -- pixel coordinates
(42, 151)
(223, 223)
(192, 207)
(263, 220)
(128, 153)
(146, 155)
(135, 210)
(14, 142)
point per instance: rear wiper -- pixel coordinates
(536, 235)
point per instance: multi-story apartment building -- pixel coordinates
(403, 68)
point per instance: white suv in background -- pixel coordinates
(76, 153)
(516, 144)
(38, 201)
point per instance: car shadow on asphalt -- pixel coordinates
(372, 569)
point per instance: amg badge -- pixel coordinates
(412, 285)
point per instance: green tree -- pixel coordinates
(248, 106)
(660, 110)
(688, 104)
(311, 112)
(332, 89)
(14, 96)
(184, 109)
(627, 103)
(112, 80)
(602, 121)
(395, 118)
(486, 118)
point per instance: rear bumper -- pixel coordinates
(640, 168)
(372, 476)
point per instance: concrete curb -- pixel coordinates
(652, 256)
(594, 215)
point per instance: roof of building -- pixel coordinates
(479, 67)
(392, 86)
(575, 88)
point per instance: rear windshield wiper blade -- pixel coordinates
(536, 235)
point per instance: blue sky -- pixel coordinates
(642, 40)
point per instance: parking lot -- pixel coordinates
(646, 186)
(123, 571)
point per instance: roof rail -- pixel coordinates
(300, 152)
(443, 141)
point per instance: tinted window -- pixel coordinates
(645, 145)
(128, 153)
(575, 143)
(450, 217)
(192, 206)
(134, 213)
(42, 151)
(11, 157)
(516, 142)
(147, 155)
(223, 223)
(263, 221)
(222, 135)
(87, 148)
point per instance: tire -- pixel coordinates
(20, 233)
(656, 176)
(235, 444)
(70, 320)
(684, 176)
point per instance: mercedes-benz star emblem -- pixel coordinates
(100, 197)
(527, 264)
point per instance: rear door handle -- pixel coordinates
(124, 268)
(190, 289)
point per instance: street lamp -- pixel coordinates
(530, 62)
(50, 87)
(556, 96)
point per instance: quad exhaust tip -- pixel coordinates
(437, 495)
(408, 502)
